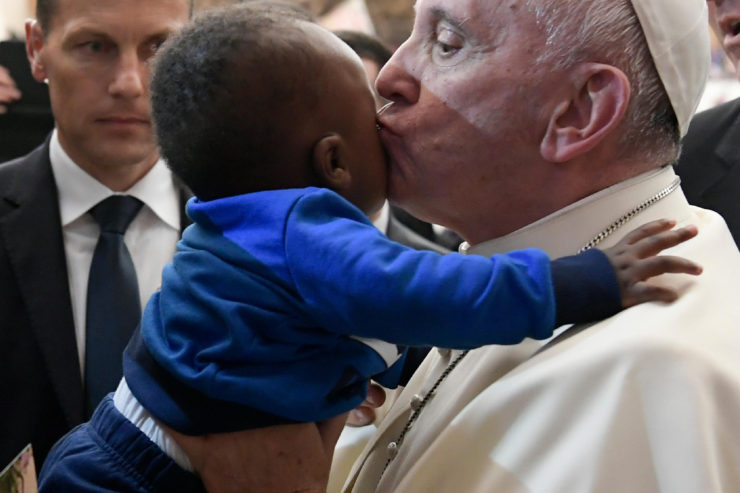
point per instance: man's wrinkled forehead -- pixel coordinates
(485, 20)
(48, 11)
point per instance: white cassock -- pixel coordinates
(645, 401)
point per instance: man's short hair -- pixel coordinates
(287, 7)
(366, 46)
(610, 32)
(221, 100)
(45, 10)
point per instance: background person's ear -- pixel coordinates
(594, 108)
(34, 43)
(329, 164)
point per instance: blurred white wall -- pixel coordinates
(13, 14)
(349, 15)
(718, 91)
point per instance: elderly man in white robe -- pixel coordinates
(550, 124)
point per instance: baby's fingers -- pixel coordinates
(646, 230)
(664, 264)
(656, 243)
(643, 293)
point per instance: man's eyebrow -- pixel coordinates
(97, 31)
(442, 14)
(163, 33)
(85, 29)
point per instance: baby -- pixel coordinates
(283, 300)
(281, 292)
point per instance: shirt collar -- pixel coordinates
(383, 218)
(565, 231)
(78, 191)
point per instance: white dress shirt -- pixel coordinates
(132, 410)
(151, 237)
(382, 218)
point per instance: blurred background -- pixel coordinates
(26, 123)
(723, 84)
(12, 15)
(390, 20)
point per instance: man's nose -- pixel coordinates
(130, 76)
(396, 81)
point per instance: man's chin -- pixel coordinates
(408, 201)
(396, 194)
(123, 156)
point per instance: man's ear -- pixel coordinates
(595, 107)
(34, 43)
(329, 163)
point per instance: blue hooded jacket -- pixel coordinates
(280, 305)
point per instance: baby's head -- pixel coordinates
(255, 97)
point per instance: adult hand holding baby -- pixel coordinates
(283, 458)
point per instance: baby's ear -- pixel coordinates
(329, 163)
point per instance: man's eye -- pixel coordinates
(157, 44)
(446, 45)
(93, 46)
(151, 48)
(445, 49)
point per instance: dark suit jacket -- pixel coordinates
(399, 232)
(709, 165)
(41, 393)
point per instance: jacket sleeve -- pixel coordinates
(356, 281)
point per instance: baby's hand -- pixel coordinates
(635, 260)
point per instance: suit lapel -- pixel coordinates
(726, 155)
(398, 232)
(184, 195)
(728, 149)
(32, 233)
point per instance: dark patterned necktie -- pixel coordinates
(113, 308)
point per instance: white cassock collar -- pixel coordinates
(564, 232)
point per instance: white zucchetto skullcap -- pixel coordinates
(677, 33)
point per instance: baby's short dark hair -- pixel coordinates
(219, 94)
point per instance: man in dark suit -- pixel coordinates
(709, 164)
(94, 55)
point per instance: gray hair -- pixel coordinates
(608, 31)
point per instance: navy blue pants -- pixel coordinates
(110, 454)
